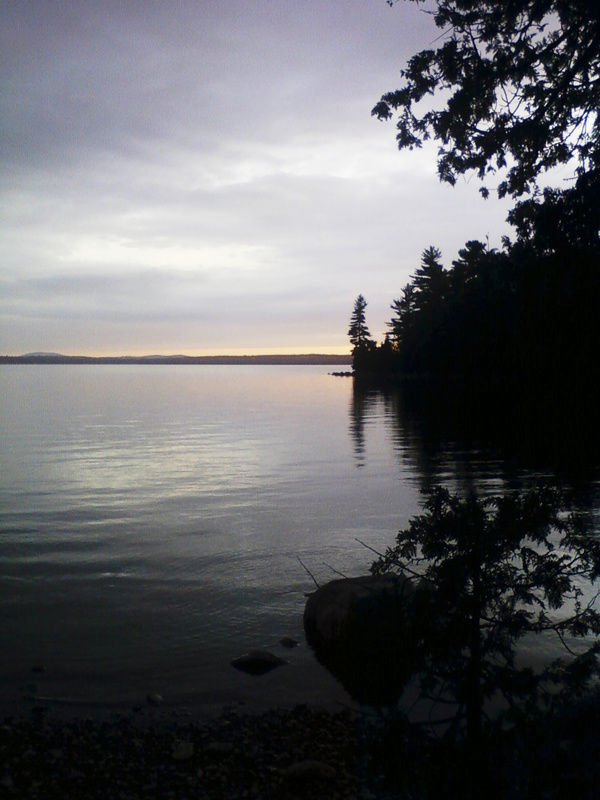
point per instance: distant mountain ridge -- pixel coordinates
(293, 359)
(42, 355)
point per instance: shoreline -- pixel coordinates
(280, 753)
(298, 753)
(308, 359)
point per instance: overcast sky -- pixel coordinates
(205, 176)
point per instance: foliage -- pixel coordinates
(520, 85)
(358, 331)
(492, 570)
(363, 346)
(528, 313)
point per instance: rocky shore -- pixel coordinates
(297, 753)
(301, 753)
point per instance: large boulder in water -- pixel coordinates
(361, 629)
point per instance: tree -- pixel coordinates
(520, 83)
(420, 316)
(364, 353)
(491, 571)
(511, 87)
(404, 309)
(562, 222)
(430, 280)
(358, 331)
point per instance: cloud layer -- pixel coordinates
(205, 177)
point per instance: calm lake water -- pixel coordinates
(153, 521)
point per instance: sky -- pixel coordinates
(205, 176)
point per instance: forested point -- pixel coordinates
(527, 313)
(518, 91)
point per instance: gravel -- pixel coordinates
(298, 753)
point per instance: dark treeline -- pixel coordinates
(519, 91)
(528, 312)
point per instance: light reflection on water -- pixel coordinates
(152, 520)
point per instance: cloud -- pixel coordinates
(211, 168)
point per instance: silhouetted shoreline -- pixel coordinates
(308, 359)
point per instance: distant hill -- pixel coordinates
(56, 358)
(42, 355)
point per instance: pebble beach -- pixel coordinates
(293, 753)
(299, 753)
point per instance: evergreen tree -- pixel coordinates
(404, 309)
(430, 280)
(358, 331)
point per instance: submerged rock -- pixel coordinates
(257, 662)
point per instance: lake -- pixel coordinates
(156, 522)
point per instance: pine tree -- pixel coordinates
(358, 331)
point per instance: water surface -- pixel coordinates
(154, 519)
(158, 521)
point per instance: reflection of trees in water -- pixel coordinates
(361, 408)
(491, 573)
(498, 565)
(364, 406)
(490, 440)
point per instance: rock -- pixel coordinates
(337, 606)
(219, 748)
(361, 630)
(287, 642)
(154, 699)
(257, 662)
(183, 750)
(309, 770)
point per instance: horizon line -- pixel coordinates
(225, 353)
(241, 354)
(266, 358)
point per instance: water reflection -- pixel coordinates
(482, 443)
(491, 441)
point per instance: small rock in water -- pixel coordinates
(38, 669)
(154, 699)
(287, 642)
(257, 662)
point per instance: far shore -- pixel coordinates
(308, 359)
